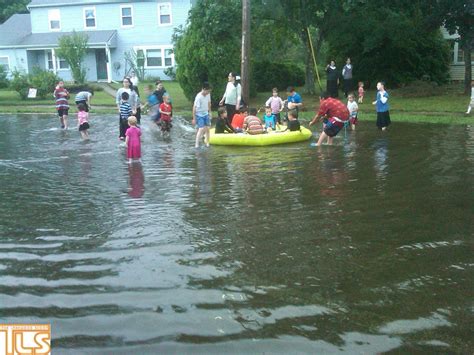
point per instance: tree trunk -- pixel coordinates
(245, 65)
(309, 67)
(467, 48)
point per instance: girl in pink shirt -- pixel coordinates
(82, 119)
(132, 140)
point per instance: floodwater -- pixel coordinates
(364, 247)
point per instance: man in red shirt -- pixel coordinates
(334, 114)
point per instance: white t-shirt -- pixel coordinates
(352, 106)
(231, 93)
(201, 103)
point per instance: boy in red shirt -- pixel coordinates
(334, 114)
(166, 111)
(238, 119)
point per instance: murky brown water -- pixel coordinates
(363, 247)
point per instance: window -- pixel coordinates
(126, 13)
(54, 19)
(156, 56)
(61, 64)
(153, 58)
(89, 17)
(4, 62)
(164, 14)
(168, 57)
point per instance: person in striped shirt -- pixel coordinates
(62, 106)
(252, 124)
(125, 113)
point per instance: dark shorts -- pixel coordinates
(331, 130)
(84, 126)
(63, 112)
(383, 119)
(165, 126)
(84, 102)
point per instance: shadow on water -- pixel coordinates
(363, 247)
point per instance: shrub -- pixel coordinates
(3, 77)
(20, 83)
(73, 48)
(170, 72)
(268, 75)
(44, 81)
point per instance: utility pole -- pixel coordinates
(245, 64)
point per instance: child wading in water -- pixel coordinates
(471, 104)
(133, 140)
(382, 107)
(82, 119)
(361, 92)
(125, 113)
(62, 106)
(202, 114)
(353, 111)
(166, 112)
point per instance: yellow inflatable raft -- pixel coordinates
(271, 138)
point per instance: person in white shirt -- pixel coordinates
(353, 110)
(232, 96)
(202, 114)
(471, 104)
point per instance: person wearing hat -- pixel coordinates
(232, 96)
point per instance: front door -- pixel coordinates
(101, 63)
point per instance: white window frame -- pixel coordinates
(159, 14)
(58, 61)
(8, 62)
(163, 48)
(85, 20)
(52, 18)
(131, 16)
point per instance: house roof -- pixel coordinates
(13, 30)
(97, 39)
(47, 3)
(50, 39)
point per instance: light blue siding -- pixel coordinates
(145, 31)
(17, 59)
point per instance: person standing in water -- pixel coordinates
(232, 96)
(132, 141)
(202, 114)
(382, 107)
(62, 106)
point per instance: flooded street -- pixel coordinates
(363, 247)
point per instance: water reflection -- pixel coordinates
(136, 182)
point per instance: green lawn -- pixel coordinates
(447, 108)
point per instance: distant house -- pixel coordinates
(113, 28)
(456, 71)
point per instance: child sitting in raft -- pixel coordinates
(238, 120)
(293, 123)
(269, 119)
(252, 124)
(222, 126)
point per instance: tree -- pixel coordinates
(73, 49)
(136, 61)
(390, 42)
(11, 7)
(208, 47)
(457, 16)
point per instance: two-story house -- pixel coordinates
(457, 68)
(113, 28)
